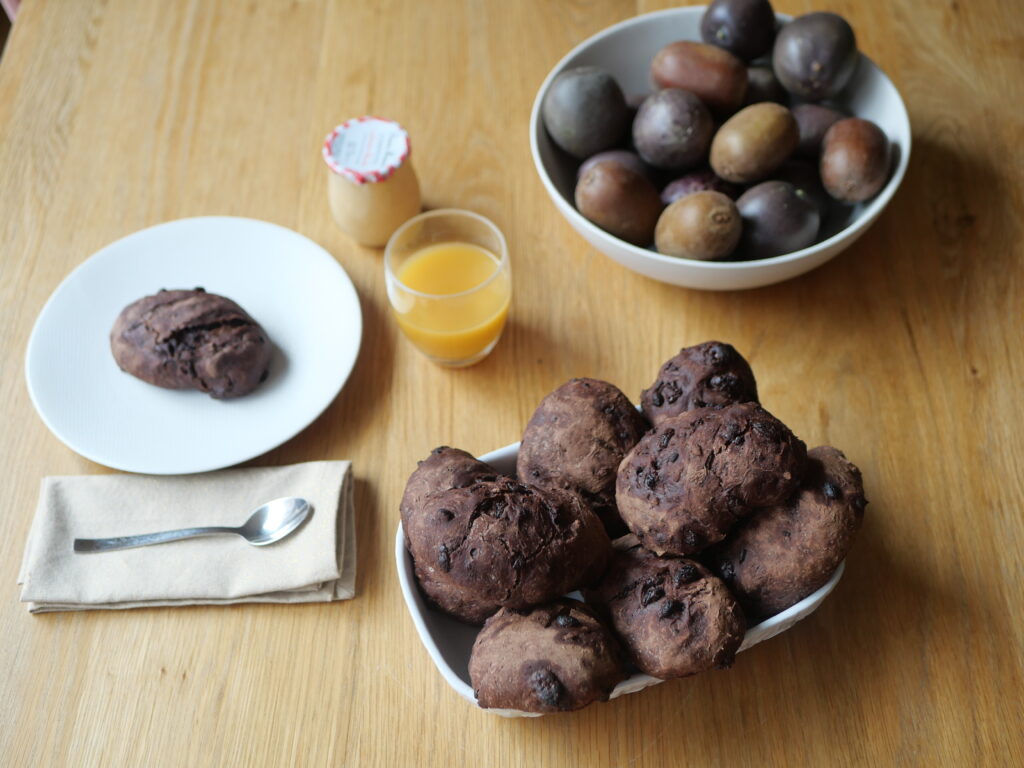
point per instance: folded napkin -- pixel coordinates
(316, 563)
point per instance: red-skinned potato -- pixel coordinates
(854, 160)
(619, 201)
(713, 74)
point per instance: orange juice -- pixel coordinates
(458, 302)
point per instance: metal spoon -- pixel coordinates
(267, 524)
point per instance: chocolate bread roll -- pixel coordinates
(712, 373)
(694, 476)
(674, 617)
(500, 543)
(191, 340)
(576, 440)
(783, 553)
(555, 657)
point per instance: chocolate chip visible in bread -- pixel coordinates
(555, 657)
(498, 543)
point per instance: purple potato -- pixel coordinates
(698, 181)
(815, 55)
(854, 160)
(621, 156)
(762, 85)
(805, 177)
(777, 218)
(585, 112)
(813, 122)
(673, 129)
(745, 28)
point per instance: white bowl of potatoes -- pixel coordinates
(625, 52)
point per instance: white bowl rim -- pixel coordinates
(765, 630)
(864, 220)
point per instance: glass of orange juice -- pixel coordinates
(449, 284)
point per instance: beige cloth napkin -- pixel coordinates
(317, 563)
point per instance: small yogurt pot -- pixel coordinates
(371, 186)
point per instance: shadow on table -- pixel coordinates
(368, 530)
(927, 247)
(535, 358)
(356, 408)
(870, 654)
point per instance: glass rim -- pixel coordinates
(502, 260)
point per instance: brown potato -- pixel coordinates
(854, 160)
(754, 142)
(620, 201)
(703, 226)
(712, 73)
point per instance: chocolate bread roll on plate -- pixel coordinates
(712, 373)
(500, 543)
(783, 553)
(192, 340)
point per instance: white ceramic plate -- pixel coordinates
(288, 283)
(449, 642)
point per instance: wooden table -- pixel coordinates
(905, 352)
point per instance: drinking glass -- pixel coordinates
(449, 284)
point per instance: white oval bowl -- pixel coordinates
(625, 50)
(449, 641)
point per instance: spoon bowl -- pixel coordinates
(274, 520)
(268, 523)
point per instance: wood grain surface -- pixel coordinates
(905, 352)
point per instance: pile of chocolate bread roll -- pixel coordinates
(681, 526)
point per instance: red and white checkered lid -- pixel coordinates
(366, 149)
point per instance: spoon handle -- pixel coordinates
(145, 539)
